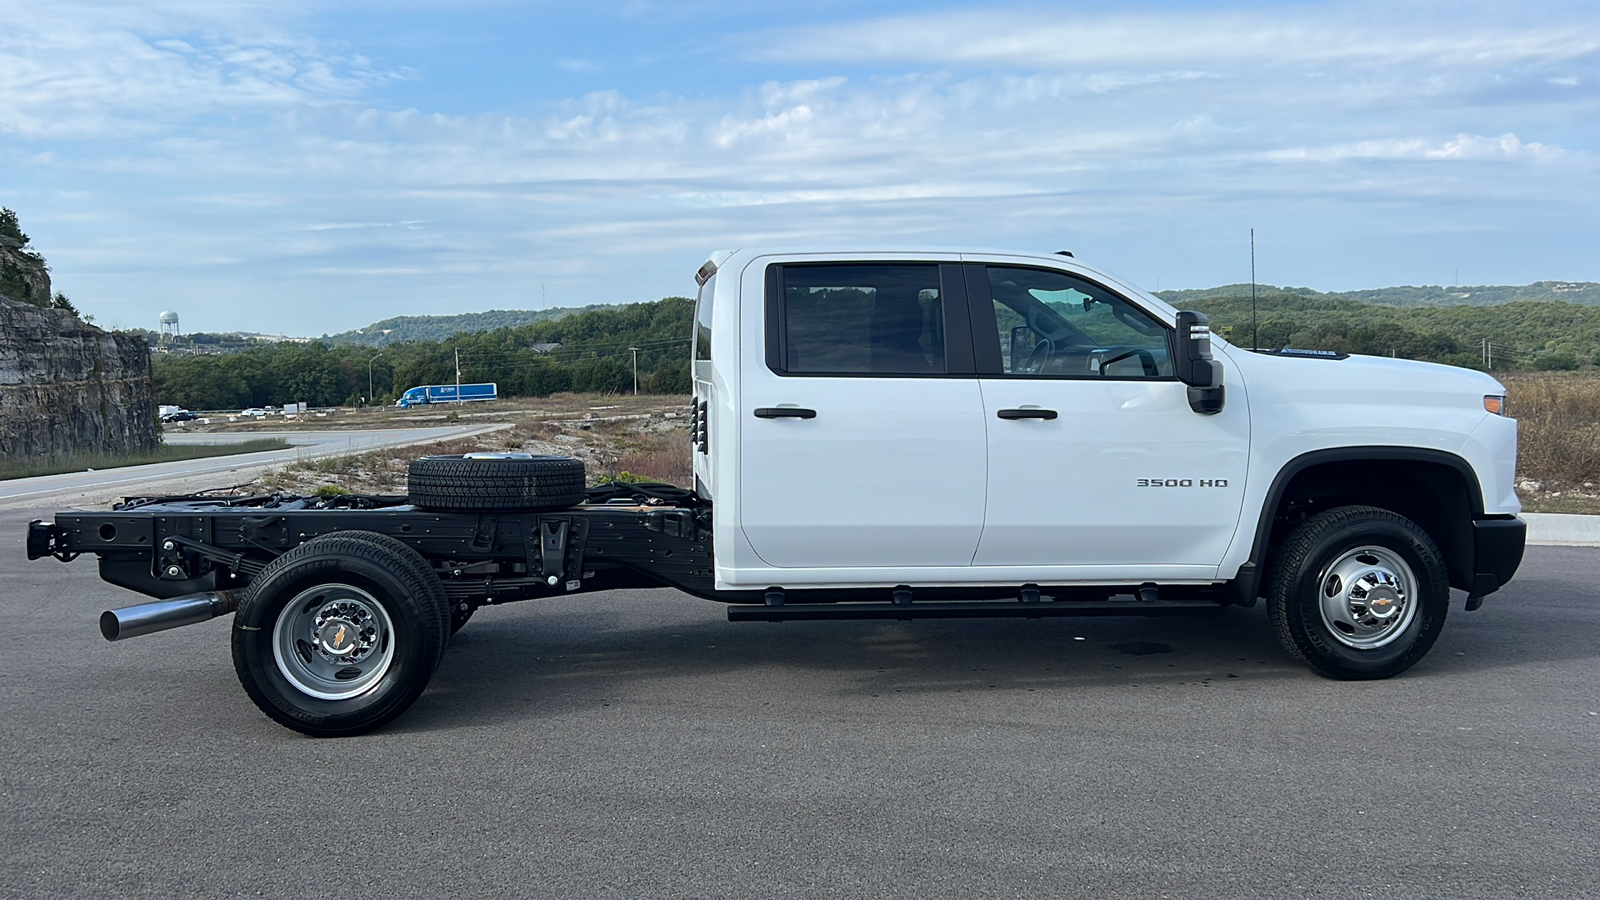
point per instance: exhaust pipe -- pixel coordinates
(148, 618)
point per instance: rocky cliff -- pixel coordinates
(23, 275)
(69, 387)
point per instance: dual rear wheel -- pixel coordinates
(341, 634)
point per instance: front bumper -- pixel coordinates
(1497, 552)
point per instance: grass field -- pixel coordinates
(1558, 440)
(79, 462)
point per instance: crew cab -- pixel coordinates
(888, 435)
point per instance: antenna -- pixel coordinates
(1254, 344)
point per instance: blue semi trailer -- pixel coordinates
(446, 393)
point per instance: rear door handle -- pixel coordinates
(1026, 414)
(786, 412)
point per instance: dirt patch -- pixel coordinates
(643, 438)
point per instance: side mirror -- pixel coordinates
(1194, 364)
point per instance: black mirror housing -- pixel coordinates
(1194, 365)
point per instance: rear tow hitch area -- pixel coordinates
(45, 539)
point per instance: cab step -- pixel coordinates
(962, 609)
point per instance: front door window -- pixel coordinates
(1052, 324)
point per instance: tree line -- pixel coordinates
(596, 355)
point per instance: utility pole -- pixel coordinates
(369, 374)
(635, 370)
(458, 376)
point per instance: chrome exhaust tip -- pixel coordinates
(148, 618)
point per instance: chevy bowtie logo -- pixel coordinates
(338, 637)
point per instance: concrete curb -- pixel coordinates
(1563, 530)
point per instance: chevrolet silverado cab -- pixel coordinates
(887, 435)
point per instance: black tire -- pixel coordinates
(1358, 593)
(371, 602)
(463, 484)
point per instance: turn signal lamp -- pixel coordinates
(1495, 403)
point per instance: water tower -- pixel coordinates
(169, 326)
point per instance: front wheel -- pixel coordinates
(1358, 593)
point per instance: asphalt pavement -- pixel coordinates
(636, 744)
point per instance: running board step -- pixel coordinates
(952, 609)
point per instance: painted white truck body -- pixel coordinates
(915, 480)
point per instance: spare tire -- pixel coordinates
(495, 481)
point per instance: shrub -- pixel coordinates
(1554, 362)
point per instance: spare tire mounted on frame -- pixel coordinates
(476, 482)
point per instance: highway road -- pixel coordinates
(636, 744)
(217, 471)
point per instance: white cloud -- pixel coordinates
(1473, 147)
(1297, 36)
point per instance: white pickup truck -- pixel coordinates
(888, 435)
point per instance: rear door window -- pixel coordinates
(860, 320)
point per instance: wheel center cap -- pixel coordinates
(1383, 601)
(339, 637)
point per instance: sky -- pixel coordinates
(298, 167)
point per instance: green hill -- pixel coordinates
(437, 328)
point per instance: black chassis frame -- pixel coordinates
(169, 547)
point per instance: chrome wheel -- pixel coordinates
(333, 642)
(1368, 597)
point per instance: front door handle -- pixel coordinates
(1026, 414)
(785, 412)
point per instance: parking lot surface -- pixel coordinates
(636, 744)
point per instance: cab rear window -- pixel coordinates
(702, 318)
